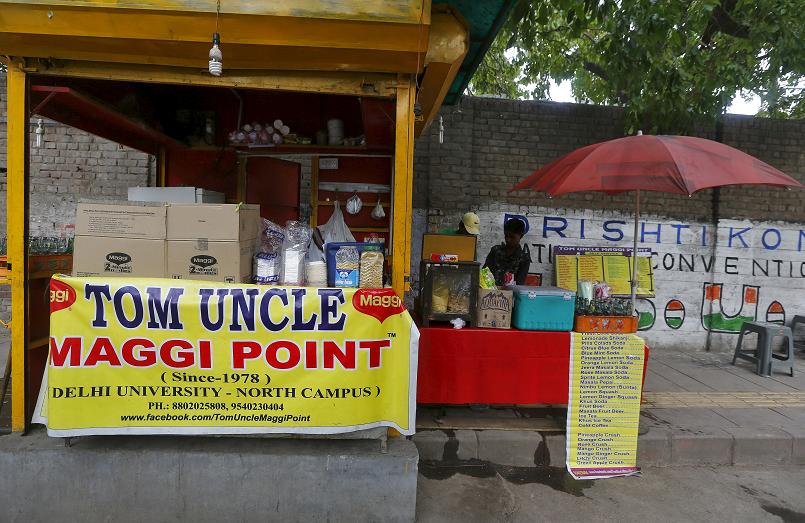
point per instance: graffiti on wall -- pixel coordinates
(709, 279)
(674, 314)
(713, 316)
(775, 313)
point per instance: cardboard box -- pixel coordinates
(175, 195)
(462, 246)
(213, 222)
(121, 221)
(495, 308)
(228, 262)
(101, 256)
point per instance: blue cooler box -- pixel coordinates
(543, 308)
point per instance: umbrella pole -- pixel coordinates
(634, 251)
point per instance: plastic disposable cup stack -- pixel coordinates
(335, 131)
(316, 273)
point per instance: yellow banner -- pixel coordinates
(157, 356)
(603, 411)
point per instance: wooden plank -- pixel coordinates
(193, 55)
(403, 161)
(314, 191)
(403, 11)
(256, 31)
(16, 232)
(445, 56)
(346, 83)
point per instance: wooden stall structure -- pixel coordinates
(135, 72)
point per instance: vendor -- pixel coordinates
(508, 261)
(469, 224)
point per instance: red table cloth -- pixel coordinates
(491, 366)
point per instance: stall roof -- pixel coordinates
(303, 35)
(356, 47)
(484, 18)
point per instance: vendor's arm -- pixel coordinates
(522, 268)
(489, 258)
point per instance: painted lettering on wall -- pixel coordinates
(709, 279)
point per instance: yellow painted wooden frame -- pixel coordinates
(183, 38)
(402, 186)
(17, 232)
(374, 85)
(403, 11)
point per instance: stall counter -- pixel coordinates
(492, 366)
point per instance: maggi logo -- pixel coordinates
(373, 300)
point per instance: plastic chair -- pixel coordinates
(766, 359)
(798, 321)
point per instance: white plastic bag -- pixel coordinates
(354, 204)
(294, 250)
(378, 213)
(336, 230)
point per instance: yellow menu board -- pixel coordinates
(603, 404)
(591, 268)
(645, 276)
(604, 264)
(566, 272)
(617, 273)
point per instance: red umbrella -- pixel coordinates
(671, 164)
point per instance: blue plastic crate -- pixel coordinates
(543, 308)
(332, 247)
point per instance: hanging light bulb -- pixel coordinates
(40, 130)
(216, 58)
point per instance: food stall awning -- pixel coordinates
(289, 45)
(484, 20)
(307, 35)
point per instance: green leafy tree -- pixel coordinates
(668, 62)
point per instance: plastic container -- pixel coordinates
(543, 308)
(347, 266)
(332, 247)
(335, 131)
(621, 324)
(448, 291)
(316, 274)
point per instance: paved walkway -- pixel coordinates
(698, 409)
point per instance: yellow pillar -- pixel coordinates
(17, 234)
(161, 158)
(403, 185)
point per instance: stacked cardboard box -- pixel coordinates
(212, 242)
(119, 240)
(184, 241)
